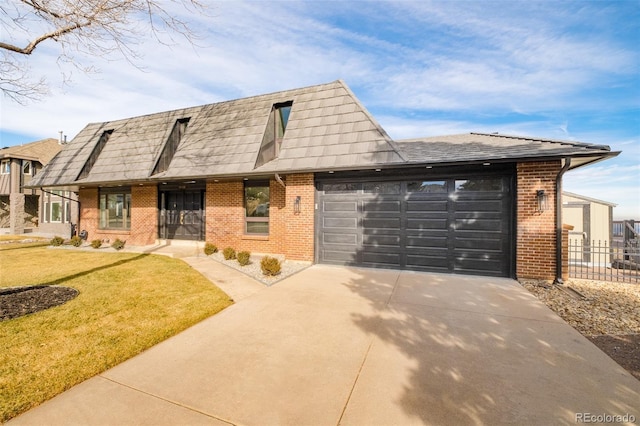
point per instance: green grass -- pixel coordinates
(127, 303)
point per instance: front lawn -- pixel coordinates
(127, 303)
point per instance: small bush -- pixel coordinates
(210, 248)
(118, 244)
(76, 241)
(96, 244)
(57, 241)
(229, 253)
(243, 258)
(270, 266)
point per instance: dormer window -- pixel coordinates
(171, 146)
(95, 154)
(274, 132)
(26, 167)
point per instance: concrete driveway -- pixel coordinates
(349, 346)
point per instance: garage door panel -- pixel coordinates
(340, 222)
(340, 206)
(426, 224)
(431, 241)
(381, 258)
(378, 240)
(479, 206)
(435, 262)
(485, 243)
(478, 264)
(340, 238)
(381, 222)
(381, 206)
(337, 256)
(478, 224)
(426, 206)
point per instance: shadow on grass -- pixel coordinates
(97, 268)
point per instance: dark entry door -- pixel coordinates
(183, 215)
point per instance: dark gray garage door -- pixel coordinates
(441, 225)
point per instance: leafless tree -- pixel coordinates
(97, 28)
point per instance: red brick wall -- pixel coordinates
(290, 233)
(536, 233)
(144, 218)
(144, 215)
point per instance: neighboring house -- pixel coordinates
(310, 174)
(20, 209)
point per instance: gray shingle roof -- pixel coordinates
(470, 147)
(328, 129)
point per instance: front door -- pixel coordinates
(182, 215)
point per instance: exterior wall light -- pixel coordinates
(543, 200)
(296, 204)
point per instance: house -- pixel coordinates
(21, 208)
(310, 174)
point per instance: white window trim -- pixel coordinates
(3, 167)
(24, 163)
(51, 203)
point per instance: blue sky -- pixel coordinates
(560, 70)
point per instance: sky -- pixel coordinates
(552, 69)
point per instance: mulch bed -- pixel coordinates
(624, 349)
(16, 302)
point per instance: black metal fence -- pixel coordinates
(604, 261)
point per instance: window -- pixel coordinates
(381, 188)
(5, 167)
(94, 154)
(256, 203)
(171, 146)
(476, 185)
(427, 187)
(56, 211)
(26, 167)
(115, 209)
(274, 132)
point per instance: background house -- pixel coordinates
(31, 209)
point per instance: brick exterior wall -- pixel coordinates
(290, 233)
(144, 217)
(536, 231)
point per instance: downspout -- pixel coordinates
(561, 173)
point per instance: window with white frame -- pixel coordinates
(5, 167)
(26, 167)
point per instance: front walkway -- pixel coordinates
(334, 345)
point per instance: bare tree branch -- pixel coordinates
(95, 28)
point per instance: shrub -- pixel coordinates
(210, 248)
(57, 241)
(118, 244)
(229, 253)
(270, 266)
(243, 258)
(76, 241)
(96, 244)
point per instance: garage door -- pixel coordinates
(441, 225)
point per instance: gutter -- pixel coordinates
(561, 173)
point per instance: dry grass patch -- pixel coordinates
(127, 303)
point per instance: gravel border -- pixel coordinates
(253, 270)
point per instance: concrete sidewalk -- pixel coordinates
(334, 345)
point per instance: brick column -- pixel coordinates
(144, 215)
(536, 233)
(300, 230)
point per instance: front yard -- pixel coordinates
(126, 303)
